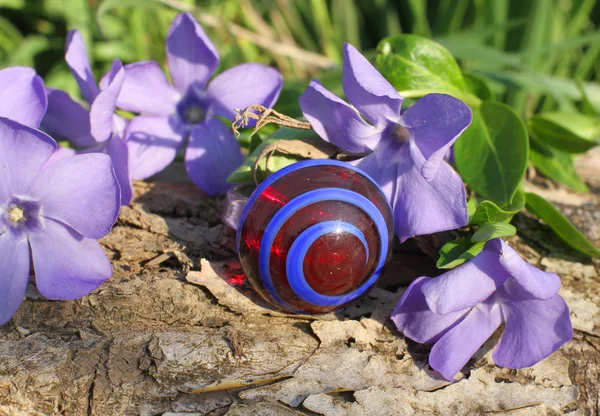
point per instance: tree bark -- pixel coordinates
(178, 331)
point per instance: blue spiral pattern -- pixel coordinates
(297, 252)
(295, 260)
(323, 194)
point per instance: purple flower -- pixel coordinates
(22, 96)
(406, 149)
(98, 129)
(459, 310)
(171, 113)
(52, 214)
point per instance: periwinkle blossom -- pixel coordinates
(172, 112)
(459, 310)
(51, 214)
(98, 129)
(22, 95)
(406, 149)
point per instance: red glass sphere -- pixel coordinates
(315, 235)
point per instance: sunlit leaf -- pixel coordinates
(478, 86)
(491, 155)
(555, 165)
(411, 62)
(493, 230)
(488, 212)
(561, 226)
(456, 252)
(569, 132)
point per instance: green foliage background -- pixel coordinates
(533, 52)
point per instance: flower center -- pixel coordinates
(15, 214)
(400, 133)
(22, 216)
(194, 115)
(193, 106)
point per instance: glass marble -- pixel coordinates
(314, 236)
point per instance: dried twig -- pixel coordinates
(319, 150)
(264, 116)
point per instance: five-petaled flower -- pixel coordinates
(406, 149)
(52, 212)
(171, 113)
(22, 96)
(461, 309)
(99, 129)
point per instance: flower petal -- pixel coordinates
(381, 167)
(336, 122)
(77, 59)
(22, 95)
(534, 328)
(80, 191)
(119, 154)
(102, 110)
(67, 119)
(434, 123)
(120, 125)
(23, 152)
(368, 91)
(458, 345)
(61, 153)
(191, 56)
(467, 285)
(541, 284)
(14, 275)
(413, 317)
(152, 143)
(67, 265)
(244, 85)
(212, 155)
(146, 90)
(425, 207)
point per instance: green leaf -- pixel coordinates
(487, 212)
(587, 105)
(10, 37)
(555, 165)
(561, 226)
(78, 16)
(449, 15)
(478, 86)
(28, 49)
(325, 30)
(571, 133)
(255, 141)
(456, 252)
(277, 161)
(13, 4)
(471, 207)
(411, 62)
(347, 18)
(518, 201)
(495, 13)
(108, 5)
(493, 230)
(557, 87)
(418, 12)
(479, 55)
(491, 155)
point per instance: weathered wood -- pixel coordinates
(178, 332)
